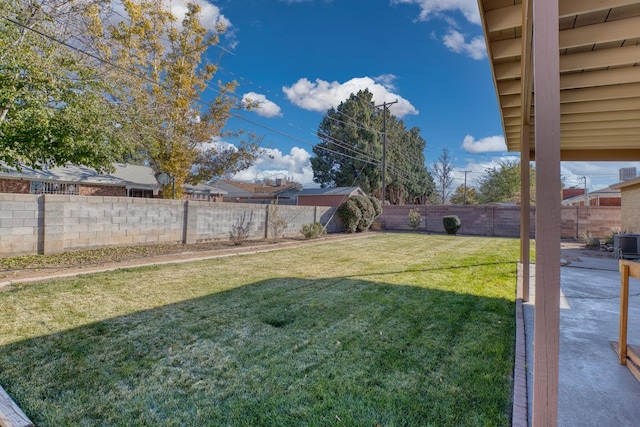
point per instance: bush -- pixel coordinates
(241, 231)
(377, 205)
(590, 241)
(277, 222)
(610, 238)
(350, 214)
(313, 231)
(451, 224)
(367, 210)
(358, 212)
(414, 218)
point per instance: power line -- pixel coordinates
(341, 144)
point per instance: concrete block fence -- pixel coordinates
(44, 224)
(504, 221)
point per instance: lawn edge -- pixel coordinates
(184, 258)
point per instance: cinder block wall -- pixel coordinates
(583, 221)
(476, 220)
(117, 221)
(31, 224)
(21, 223)
(504, 221)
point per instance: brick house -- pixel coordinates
(630, 192)
(603, 197)
(126, 181)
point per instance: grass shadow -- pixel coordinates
(285, 351)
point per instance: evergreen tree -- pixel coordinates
(351, 148)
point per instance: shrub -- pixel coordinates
(313, 231)
(377, 205)
(358, 212)
(414, 218)
(590, 241)
(451, 224)
(277, 222)
(368, 212)
(609, 239)
(350, 214)
(241, 231)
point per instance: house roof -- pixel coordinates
(603, 192)
(251, 189)
(135, 174)
(627, 183)
(599, 60)
(203, 189)
(335, 191)
(125, 175)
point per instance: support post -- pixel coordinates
(525, 211)
(546, 72)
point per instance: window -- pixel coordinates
(40, 187)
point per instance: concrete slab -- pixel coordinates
(594, 390)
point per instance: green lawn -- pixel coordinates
(392, 330)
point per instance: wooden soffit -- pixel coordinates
(599, 49)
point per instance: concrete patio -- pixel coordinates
(594, 390)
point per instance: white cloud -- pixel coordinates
(484, 145)
(429, 8)
(387, 80)
(456, 42)
(599, 174)
(322, 95)
(210, 15)
(296, 166)
(265, 108)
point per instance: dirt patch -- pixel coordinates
(572, 251)
(43, 267)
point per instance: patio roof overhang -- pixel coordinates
(567, 78)
(599, 57)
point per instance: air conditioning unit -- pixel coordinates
(626, 173)
(627, 245)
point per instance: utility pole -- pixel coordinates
(586, 191)
(384, 106)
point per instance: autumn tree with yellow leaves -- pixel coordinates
(162, 90)
(113, 82)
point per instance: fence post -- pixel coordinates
(190, 223)
(53, 224)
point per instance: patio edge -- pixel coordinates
(519, 417)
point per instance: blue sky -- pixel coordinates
(300, 57)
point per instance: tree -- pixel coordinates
(350, 152)
(54, 104)
(351, 147)
(162, 87)
(464, 196)
(502, 183)
(129, 89)
(410, 181)
(443, 174)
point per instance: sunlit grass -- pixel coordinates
(396, 329)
